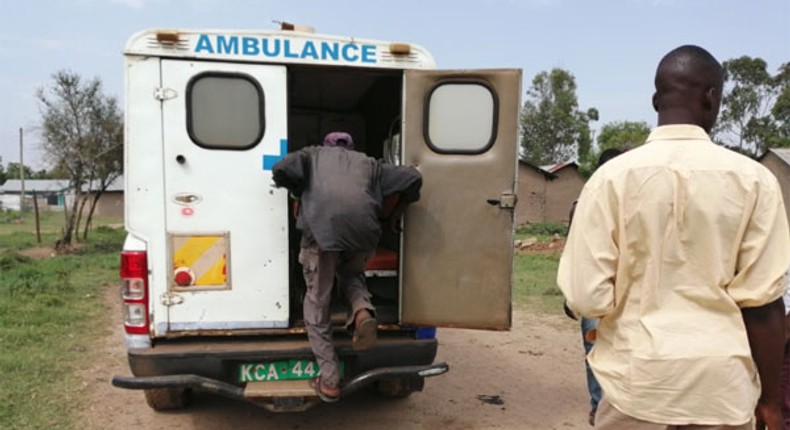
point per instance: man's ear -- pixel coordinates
(655, 102)
(711, 98)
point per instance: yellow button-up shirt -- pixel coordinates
(669, 241)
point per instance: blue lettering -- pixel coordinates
(276, 47)
(350, 57)
(204, 44)
(227, 46)
(250, 46)
(309, 50)
(330, 50)
(275, 51)
(287, 50)
(368, 53)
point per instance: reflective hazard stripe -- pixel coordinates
(204, 255)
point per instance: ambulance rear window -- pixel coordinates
(461, 118)
(225, 111)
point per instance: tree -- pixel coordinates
(781, 109)
(754, 114)
(553, 129)
(82, 134)
(620, 134)
(12, 171)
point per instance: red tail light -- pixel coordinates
(134, 291)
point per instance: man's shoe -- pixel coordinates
(327, 394)
(365, 334)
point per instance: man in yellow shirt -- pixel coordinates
(680, 247)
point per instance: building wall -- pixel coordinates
(561, 193)
(781, 170)
(541, 199)
(110, 204)
(531, 206)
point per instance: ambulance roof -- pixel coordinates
(278, 46)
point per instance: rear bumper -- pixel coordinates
(219, 359)
(235, 392)
(212, 365)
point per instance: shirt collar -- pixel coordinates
(678, 132)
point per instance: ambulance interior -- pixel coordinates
(367, 104)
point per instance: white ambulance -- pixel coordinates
(212, 289)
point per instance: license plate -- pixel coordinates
(283, 370)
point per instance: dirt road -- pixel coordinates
(536, 369)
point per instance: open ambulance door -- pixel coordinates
(461, 131)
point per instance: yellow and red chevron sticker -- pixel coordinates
(204, 257)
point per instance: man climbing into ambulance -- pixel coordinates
(341, 193)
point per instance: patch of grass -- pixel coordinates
(46, 310)
(535, 282)
(18, 231)
(543, 229)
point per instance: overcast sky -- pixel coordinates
(611, 46)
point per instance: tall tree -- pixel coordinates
(619, 134)
(12, 171)
(781, 108)
(750, 121)
(82, 134)
(553, 129)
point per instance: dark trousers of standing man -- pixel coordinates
(320, 268)
(786, 375)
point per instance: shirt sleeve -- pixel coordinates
(292, 172)
(588, 264)
(764, 251)
(405, 180)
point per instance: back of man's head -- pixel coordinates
(689, 82)
(607, 155)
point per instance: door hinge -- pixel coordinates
(171, 299)
(162, 94)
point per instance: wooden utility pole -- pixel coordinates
(21, 173)
(38, 220)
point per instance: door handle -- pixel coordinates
(505, 201)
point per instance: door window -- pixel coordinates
(225, 111)
(461, 118)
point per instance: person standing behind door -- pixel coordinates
(589, 326)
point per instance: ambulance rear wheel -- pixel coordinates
(399, 388)
(165, 399)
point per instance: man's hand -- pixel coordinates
(765, 329)
(394, 223)
(769, 417)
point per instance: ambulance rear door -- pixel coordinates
(461, 131)
(227, 228)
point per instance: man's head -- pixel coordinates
(689, 83)
(608, 155)
(339, 138)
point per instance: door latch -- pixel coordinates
(505, 201)
(171, 299)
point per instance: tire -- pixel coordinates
(399, 388)
(166, 399)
